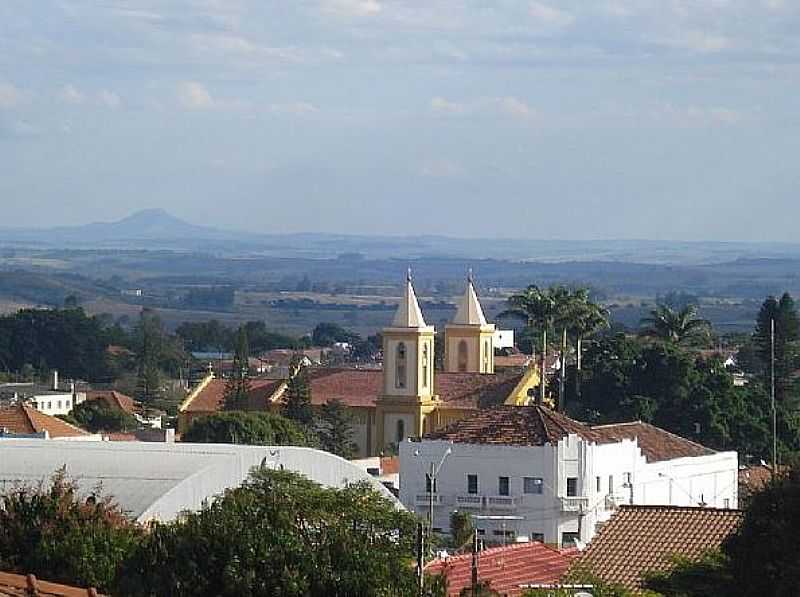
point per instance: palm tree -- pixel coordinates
(674, 325)
(537, 307)
(588, 319)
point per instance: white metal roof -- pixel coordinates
(161, 480)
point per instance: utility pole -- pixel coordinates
(772, 397)
(474, 582)
(431, 487)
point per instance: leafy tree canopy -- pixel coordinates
(280, 534)
(261, 429)
(96, 415)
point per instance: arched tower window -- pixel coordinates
(401, 431)
(425, 365)
(486, 355)
(463, 356)
(401, 359)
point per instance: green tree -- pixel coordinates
(325, 334)
(763, 552)
(262, 429)
(461, 528)
(237, 386)
(675, 326)
(707, 576)
(280, 534)
(787, 329)
(298, 398)
(52, 532)
(335, 427)
(96, 415)
(149, 335)
(537, 308)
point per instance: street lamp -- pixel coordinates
(434, 470)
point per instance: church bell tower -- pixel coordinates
(408, 393)
(469, 339)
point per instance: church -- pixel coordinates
(408, 397)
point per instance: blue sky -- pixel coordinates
(663, 119)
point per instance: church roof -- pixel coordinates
(469, 308)
(408, 314)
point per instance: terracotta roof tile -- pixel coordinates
(24, 419)
(656, 443)
(642, 539)
(505, 568)
(515, 426)
(353, 387)
(114, 399)
(753, 479)
(211, 398)
(17, 585)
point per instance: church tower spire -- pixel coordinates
(469, 339)
(408, 392)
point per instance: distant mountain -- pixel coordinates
(144, 225)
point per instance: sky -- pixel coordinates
(568, 119)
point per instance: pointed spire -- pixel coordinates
(408, 313)
(469, 309)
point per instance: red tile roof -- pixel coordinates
(656, 443)
(753, 479)
(211, 398)
(24, 419)
(17, 585)
(642, 539)
(515, 426)
(353, 387)
(114, 399)
(390, 465)
(505, 568)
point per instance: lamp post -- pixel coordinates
(434, 471)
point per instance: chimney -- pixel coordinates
(55, 379)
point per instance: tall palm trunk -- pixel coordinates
(578, 348)
(563, 372)
(543, 382)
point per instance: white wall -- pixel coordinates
(680, 482)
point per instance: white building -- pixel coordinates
(159, 481)
(528, 473)
(55, 399)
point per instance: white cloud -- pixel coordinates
(700, 41)
(71, 95)
(109, 99)
(10, 96)
(194, 96)
(352, 8)
(691, 116)
(441, 168)
(504, 106)
(294, 108)
(549, 16)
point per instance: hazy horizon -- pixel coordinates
(655, 120)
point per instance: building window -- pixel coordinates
(572, 486)
(481, 532)
(425, 365)
(472, 483)
(537, 537)
(502, 486)
(67, 403)
(400, 366)
(568, 539)
(503, 533)
(532, 485)
(598, 487)
(727, 503)
(59, 404)
(611, 484)
(463, 356)
(401, 431)
(486, 356)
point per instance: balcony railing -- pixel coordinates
(424, 499)
(574, 504)
(501, 502)
(470, 500)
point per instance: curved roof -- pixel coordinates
(161, 480)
